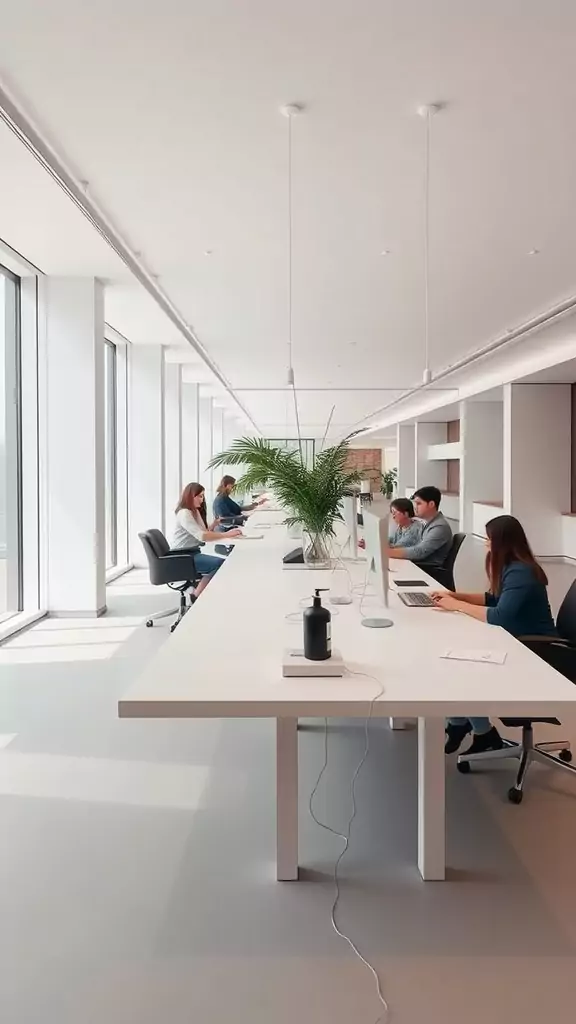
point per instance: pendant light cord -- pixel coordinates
(427, 243)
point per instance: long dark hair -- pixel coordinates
(190, 492)
(226, 481)
(508, 543)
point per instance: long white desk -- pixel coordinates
(235, 672)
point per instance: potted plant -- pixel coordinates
(312, 495)
(389, 479)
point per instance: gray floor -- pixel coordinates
(136, 860)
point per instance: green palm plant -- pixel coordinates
(312, 496)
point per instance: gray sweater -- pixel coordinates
(434, 545)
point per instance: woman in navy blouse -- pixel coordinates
(517, 601)
(224, 505)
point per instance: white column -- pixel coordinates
(172, 438)
(405, 442)
(481, 458)
(190, 432)
(146, 450)
(537, 460)
(217, 443)
(205, 411)
(74, 445)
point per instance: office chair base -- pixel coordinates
(556, 753)
(160, 615)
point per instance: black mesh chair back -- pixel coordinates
(457, 542)
(566, 621)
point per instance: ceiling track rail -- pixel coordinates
(77, 191)
(518, 334)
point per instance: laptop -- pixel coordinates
(415, 599)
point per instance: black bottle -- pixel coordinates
(317, 631)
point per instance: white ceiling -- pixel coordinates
(170, 112)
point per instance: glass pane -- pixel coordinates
(10, 532)
(110, 452)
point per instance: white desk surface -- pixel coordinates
(224, 660)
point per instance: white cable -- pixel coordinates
(427, 243)
(345, 837)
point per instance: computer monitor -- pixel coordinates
(376, 540)
(350, 515)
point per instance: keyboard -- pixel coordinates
(416, 600)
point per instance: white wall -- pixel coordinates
(537, 460)
(481, 459)
(428, 472)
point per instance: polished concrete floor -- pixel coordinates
(137, 860)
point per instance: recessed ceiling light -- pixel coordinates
(208, 252)
(533, 252)
(385, 252)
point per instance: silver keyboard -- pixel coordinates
(416, 600)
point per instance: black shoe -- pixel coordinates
(484, 741)
(455, 736)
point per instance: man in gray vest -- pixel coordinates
(435, 543)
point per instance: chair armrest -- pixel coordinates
(546, 641)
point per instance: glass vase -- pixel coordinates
(317, 550)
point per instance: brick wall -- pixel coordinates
(367, 462)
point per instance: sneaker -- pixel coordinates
(455, 736)
(485, 741)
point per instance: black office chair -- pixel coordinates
(444, 574)
(175, 569)
(560, 653)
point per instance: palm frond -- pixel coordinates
(313, 496)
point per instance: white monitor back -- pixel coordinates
(350, 514)
(376, 539)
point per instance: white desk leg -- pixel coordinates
(431, 799)
(287, 799)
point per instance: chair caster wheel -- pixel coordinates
(173, 627)
(464, 767)
(515, 796)
(149, 623)
(566, 756)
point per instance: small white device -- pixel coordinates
(295, 665)
(376, 538)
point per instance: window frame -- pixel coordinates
(13, 383)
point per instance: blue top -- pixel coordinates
(405, 536)
(522, 606)
(225, 506)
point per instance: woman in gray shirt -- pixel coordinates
(406, 530)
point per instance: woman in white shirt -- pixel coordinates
(191, 531)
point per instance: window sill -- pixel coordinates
(17, 622)
(116, 571)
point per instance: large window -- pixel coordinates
(10, 448)
(110, 453)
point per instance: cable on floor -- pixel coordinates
(345, 837)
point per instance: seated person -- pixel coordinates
(191, 531)
(516, 600)
(431, 550)
(224, 505)
(407, 530)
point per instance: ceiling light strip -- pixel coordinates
(20, 125)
